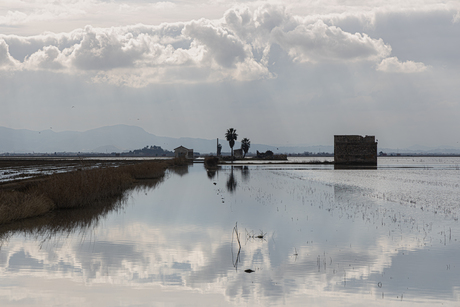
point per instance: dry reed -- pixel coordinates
(80, 188)
(17, 205)
(211, 162)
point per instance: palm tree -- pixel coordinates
(245, 144)
(231, 138)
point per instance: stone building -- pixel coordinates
(182, 151)
(355, 150)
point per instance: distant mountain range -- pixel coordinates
(121, 138)
(118, 138)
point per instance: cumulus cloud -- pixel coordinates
(13, 18)
(319, 42)
(6, 61)
(221, 46)
(43, 10)
(236, 47)
(103, 50)
(49, 58)
(393, 65)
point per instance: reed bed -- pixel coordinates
(81, 188)
(211, 162)
(16, 205)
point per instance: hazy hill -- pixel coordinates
(121, 138)
(117, 138)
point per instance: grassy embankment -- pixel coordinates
(74, 189)
(213, 162)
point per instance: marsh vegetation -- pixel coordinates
(76, 188)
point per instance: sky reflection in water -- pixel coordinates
(335, 237)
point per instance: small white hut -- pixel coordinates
(182, 151)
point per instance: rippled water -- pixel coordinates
(308, 235)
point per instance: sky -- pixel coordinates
(285, 72)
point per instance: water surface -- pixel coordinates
(308, 234)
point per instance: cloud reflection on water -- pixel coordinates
(351, 246)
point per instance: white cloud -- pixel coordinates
(6, 61)
(456, 17)
(47, 58)
(236, 47)
(23, 12)
(163, 5)
(318, 42)
(393, 65)
(13, 18)
(305, 39)
(104, 49)
(136, 8)
(220, 45)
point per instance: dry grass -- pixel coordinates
(75, 189)
(82, 188)
(211, 162)
(148, 170)
(17, 205)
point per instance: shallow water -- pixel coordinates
(42, 166)
(310, 234)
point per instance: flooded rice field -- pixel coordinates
(252, 235)
(19, 168)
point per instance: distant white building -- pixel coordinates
(238, 153)
(182, 151)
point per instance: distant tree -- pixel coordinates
(245, 144)
(231, 138)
